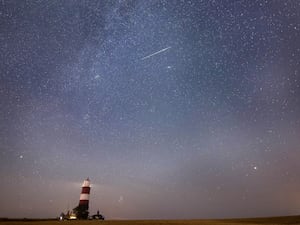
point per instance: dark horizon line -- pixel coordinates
(233, 218)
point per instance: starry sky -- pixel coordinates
(174, 109)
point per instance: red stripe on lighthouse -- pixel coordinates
(83, 202)
(85, 190)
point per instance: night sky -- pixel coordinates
(174, 109)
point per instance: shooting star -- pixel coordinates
(155, 53)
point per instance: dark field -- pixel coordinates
(251, 221)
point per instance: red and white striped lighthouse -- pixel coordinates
(82, 210)
(85, 194)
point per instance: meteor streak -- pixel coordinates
(155, 53)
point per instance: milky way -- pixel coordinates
(208, 128)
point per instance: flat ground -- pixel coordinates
(251, 221)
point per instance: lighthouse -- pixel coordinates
(82, 210)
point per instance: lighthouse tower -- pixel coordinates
(82, 209)
(85, 194)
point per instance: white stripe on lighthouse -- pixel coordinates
(84, 197)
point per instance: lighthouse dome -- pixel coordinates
(86, 183)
